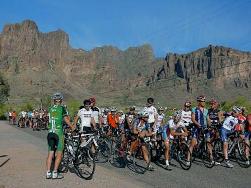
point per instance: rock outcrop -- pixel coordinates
(37, 64)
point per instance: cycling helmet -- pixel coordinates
(150, 100)
(201, 98)
(57, 96)
(132, 108)
(236, 109)
(213, 101)
(144, 114)
(187, 104)
(92, 99)
(160, 108)
(177, 114)
(113, 109)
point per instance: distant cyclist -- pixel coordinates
(55, 137)
(186, 114)
(96, 112)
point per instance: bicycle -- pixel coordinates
(140, 163)
(78, 154)
(237, 149)
(180, 151)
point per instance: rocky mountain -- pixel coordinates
(36, 64)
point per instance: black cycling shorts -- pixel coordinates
(52, 140)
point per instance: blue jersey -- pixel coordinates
(200, 116)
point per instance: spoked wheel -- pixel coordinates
(63, 167)
(244, 154)
(103, 151)
(218, 151)
(182, 154)
(85, 164)
(117, 155)
(139, 163)
(207, 159)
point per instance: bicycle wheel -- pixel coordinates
(63, 167)
(244, 153)
(218, 151)
(103, 151)
(139, 164)
(182, 153)
(85, 163)
(207, 159)
(117, 154)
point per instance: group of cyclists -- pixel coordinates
(37, 119)
(187, 124)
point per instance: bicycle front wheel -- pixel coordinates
(244, 152)
(85, 164)
(141, 159)
(182, 155)
(103, 151)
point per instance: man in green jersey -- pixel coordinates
(57, 115)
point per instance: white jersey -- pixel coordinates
(96, 114)
(23, 114)
(174, 126)
(122, 119)
(186, 117)
(85, 117)
(159, 121)
(152, 111)
(230, 123)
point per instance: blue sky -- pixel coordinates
(168, 25)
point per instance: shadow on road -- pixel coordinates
(2, 156)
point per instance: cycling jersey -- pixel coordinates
(113, 120)
(85, 117)
(141, 126)
(174, 126)
(96, 113)
(129, 117)
(213, 116)
(200, 116)
(159, 121)
(230, 123)
(152, 111)
(104, 117)
(186, 117)
(56, 115)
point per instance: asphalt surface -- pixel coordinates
(197, 176)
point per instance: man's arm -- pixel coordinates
(194, 121)
(67, 121)
(93, 123)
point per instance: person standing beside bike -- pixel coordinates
(55, 138)
(227, 128)
(199, 119)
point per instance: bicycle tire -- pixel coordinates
(218, 151)
(85, 160)
(207, 161)
(242, 158)
(139, 164)
(182, 153)
(103, 151)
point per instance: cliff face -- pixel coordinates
(37, 64)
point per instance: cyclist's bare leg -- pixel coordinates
(145, 153)
(225, 148)
(167, 150)
(49, 160)
(58, 160)
(192, 144)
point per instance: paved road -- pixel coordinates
(107, 175)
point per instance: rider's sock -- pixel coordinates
(167, 162)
